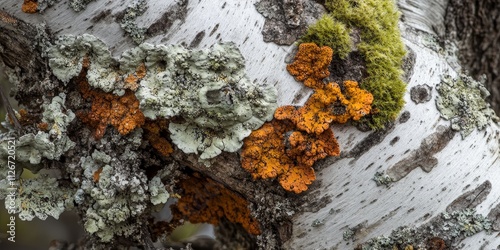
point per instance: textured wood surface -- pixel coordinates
(345, 194)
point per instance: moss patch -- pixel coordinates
(329, 32)
(380, 45)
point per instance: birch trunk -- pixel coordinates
(434, 168)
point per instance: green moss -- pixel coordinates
(329, 32)
(383, 50)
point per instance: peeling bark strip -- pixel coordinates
(423, 157)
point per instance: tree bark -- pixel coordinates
(433, 169)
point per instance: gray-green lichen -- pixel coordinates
(116, 190)
(128, 23)
(462, 101)
(451, 227)
(31, 148)
(207, 88)
(41, 197)
(66, 58)
(79, 5)
(44, 4)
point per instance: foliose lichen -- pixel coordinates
(461, 100)
(207, 88)
(79, 5)
(449, 228)
(118, 194)
(128, 24)
(41, 197)
(31, 147)
(67, 55)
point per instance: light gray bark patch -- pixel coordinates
(421, 93)
(287, 20)
(471, 199)
(423, 157)
(163, 24)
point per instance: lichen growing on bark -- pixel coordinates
(461, 100)
(50, 144)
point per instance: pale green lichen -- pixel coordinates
(451, 227)
(79, 5)
(461, 100)
(66, 60)
(208, 89)
(128, 23)
(158, 194)
(41, 197)
(31, 148)
(44, 4)
(116, 194)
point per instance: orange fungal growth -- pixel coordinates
(43, 126)
(30, 6)
(205, 201)
(153, 130)
(311, 64)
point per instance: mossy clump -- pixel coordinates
(329, 32)
(381, 46)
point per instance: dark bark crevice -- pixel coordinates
(476, 25)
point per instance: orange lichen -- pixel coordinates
(132, 80)
(205, 201)
(30, 6)
(43, 126)
(275, 150)
(263, 152)
(288, 146)
(311, 64)
(153, 133)
(6, 18)
(97, 174)
(122, 112)
(306, 149)
(297, 179)
(328, 104)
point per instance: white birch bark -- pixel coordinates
(348, 195)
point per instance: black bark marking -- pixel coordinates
(197, 39)
(165, 22)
